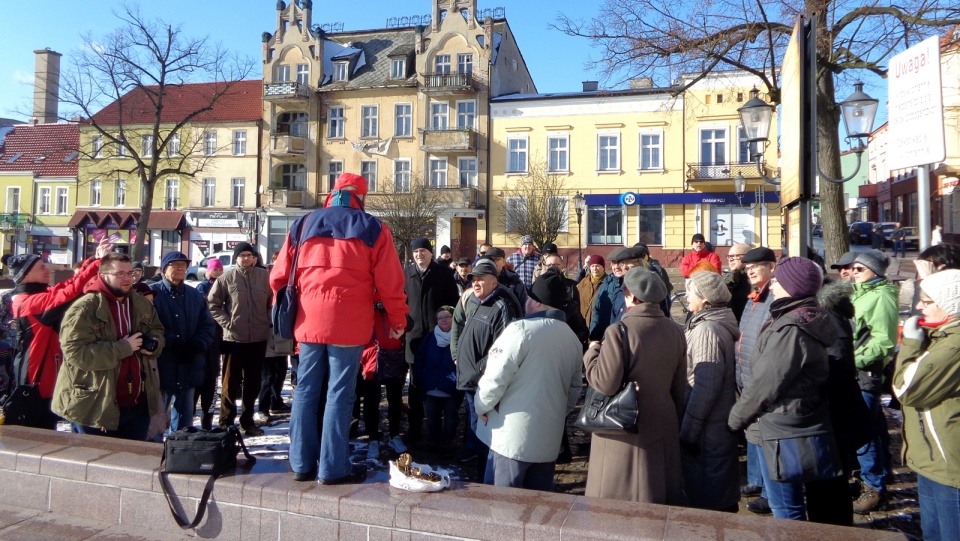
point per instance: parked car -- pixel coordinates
(860, 232)
(818, 230)
(912, 241)
(199, 271)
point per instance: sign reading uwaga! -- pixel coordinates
(916, 107)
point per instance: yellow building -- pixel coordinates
(653, 167)
(403, 106)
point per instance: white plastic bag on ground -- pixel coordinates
(412, 484)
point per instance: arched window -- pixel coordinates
(293, 124)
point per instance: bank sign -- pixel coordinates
(915, 132)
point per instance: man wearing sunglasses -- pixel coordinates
(876, 304)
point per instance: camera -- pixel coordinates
(149, 344)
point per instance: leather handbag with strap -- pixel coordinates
(194, 451)
(617, 413)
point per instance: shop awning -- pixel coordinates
(125, 219)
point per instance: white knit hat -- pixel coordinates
(944, 288)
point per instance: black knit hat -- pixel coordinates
(422, 242)
(444, 249)
(243, 247)
(548, 248)
(21, 264)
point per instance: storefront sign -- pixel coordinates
(214, 219)
(113, 236)
(697, 198)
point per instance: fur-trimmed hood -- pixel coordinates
(835, 296)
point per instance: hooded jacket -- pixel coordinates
(876, 328)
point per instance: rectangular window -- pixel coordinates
(651, 152)
(173, 194)
(438, 172)
(465, 63)
(13, 200)
(745, 150)
(466, 113)
(403, 119)
(468, 172)
(368, 170)
(651, 224)
(281, 73)
(121, 146)
(713, 147)
(334, 170)
(62, 200)
(96, 187)
(303, 73)
(237, 192)
(43, 205)
(401, 175)
(120, 193)
(517, 154)
(240, 143)
(369, 123)
(516, 212)
(340, 71)
(398, 68)
(96, 147)
(146, 147)
(335, 122)
(559, 148)
(441, 63)
(439, 115)
(608, 153)
(208, 193)
(209, 143)
(604, 224)
(173, 145)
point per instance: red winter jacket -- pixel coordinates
(690, 261)
(347, 258)
(38, 317)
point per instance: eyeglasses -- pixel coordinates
(128, 274)
(444, 318)
(750, 267)
(858, 269)
(734, 257)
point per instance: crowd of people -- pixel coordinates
(771, 351)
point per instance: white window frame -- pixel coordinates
(465, 63)
(334, 170)
(171, 194)
(658, 147)
(120, 193)
(281, 73)
(509, 203)
(210, 143)
(607, 149)
(239, 145)
(468, 175)
(13, 199)
(370, 121)
(96, 146)
(335, 122)
(441, 63)
(438, 172)
(121, 146)
(63, 200)
(96, 192)
(403, 119)
(303, 74)
(401, 175)
(368, 170)
(518, 154)
(742, 145)
(606, 238)
(295, 173)
(146, 146)
(560, 154)
(439, 115)
(466, 119)
(238, 191)
(340, 71)
(173, 145)
(208, 192)
(565, 202)
(713, 141)
(43, 200)
(398, 68)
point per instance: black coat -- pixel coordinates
(426, 293)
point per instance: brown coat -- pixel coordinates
(588, 293)
(644, 467)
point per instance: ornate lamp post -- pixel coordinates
(579, 204)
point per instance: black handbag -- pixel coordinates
(24, 406)
(193, 451)
(616, 414)
(283, 314)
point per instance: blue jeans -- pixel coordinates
(507, 472)
(331, 450)
(872, 456)
(183, 407)
(785, 499)
(134, 424)
(900, 246)
(754, 477)
(939, 510)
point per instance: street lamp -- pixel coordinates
(579, 204)
(251, 224)
(755, 116)
(740, 188)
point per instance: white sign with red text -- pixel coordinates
(915, 107)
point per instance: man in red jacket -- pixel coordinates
(38, 310)
(341, 259)
(699, 253)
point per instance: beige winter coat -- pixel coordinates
(240, 303)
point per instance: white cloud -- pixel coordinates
(22, 77)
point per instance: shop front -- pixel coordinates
(120, 229)
(210, 232)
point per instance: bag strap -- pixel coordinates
(251, 460)
(296, 256)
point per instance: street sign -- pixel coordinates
(915, 107)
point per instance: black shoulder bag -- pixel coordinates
(24, 406)
(616, 414)
(194, 451)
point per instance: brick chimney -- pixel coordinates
(46, 86)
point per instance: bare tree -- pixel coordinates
(655, 39)
(410, 211)
(129, 87)
(536, 204)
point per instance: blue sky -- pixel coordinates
(556, 61)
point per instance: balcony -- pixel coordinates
(459, 197)
(723, 171)
(448, 82)
(451, 140)
(286, 91)
(288, 145)
(279, 197)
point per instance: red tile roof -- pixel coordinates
(242, 101)
(42, 149)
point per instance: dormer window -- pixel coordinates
(340, 71)
(398, 68)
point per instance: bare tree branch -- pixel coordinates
(536, 204)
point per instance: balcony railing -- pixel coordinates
(450, 140)
(448, 81)
(458, 196)
(280, 197)
(288, 90)
(288, 144)
(720, 171)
